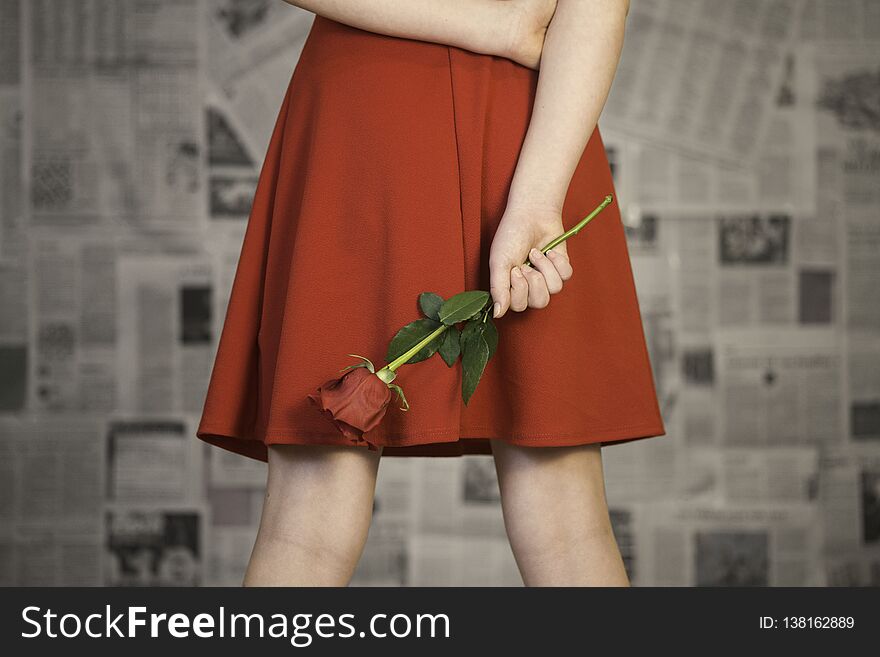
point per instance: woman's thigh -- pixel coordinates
(316, 516)
(552, 495)
(319, 498)
(322, 480)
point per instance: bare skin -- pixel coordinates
(318, 504)
(316, 515)
(506, 28)
(556, 515)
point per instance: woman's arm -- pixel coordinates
(581, 52)
(505, 28)
(580, 56)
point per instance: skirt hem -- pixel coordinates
(435, 442)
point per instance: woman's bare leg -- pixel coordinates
(316, 515)
(556, 515)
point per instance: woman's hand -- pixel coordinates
(522, 233)
(531, 18)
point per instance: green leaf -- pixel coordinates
(471, 330)
(490, 332)
(475, 355)
(463, 306)
(451, 347)
(430, 304)
(412, 334)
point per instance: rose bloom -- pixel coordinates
(355, 402)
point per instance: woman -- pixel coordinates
(419, 149)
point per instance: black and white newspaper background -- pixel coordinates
(744, 142)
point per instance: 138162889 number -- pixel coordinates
(818, 622)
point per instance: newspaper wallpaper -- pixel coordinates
(745, 143)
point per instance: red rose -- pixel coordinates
(355, 402)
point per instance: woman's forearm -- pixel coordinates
(581, 52)
(482, 26)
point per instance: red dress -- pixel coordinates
(386, 176)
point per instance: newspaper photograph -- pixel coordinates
(153, 547)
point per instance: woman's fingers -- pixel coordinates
(519, 290)
(546, 266)
(560, 262)
(531, 287)
(539, 295)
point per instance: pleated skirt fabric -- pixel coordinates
(386, 176)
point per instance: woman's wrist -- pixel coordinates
(534, 195)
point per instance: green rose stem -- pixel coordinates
(388, 373)
(574, 230)
(409, 353)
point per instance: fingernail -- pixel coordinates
(535, 253)
(517, 272)
(496, 309)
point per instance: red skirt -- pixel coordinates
(386, 176)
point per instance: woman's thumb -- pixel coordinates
(499, 288)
